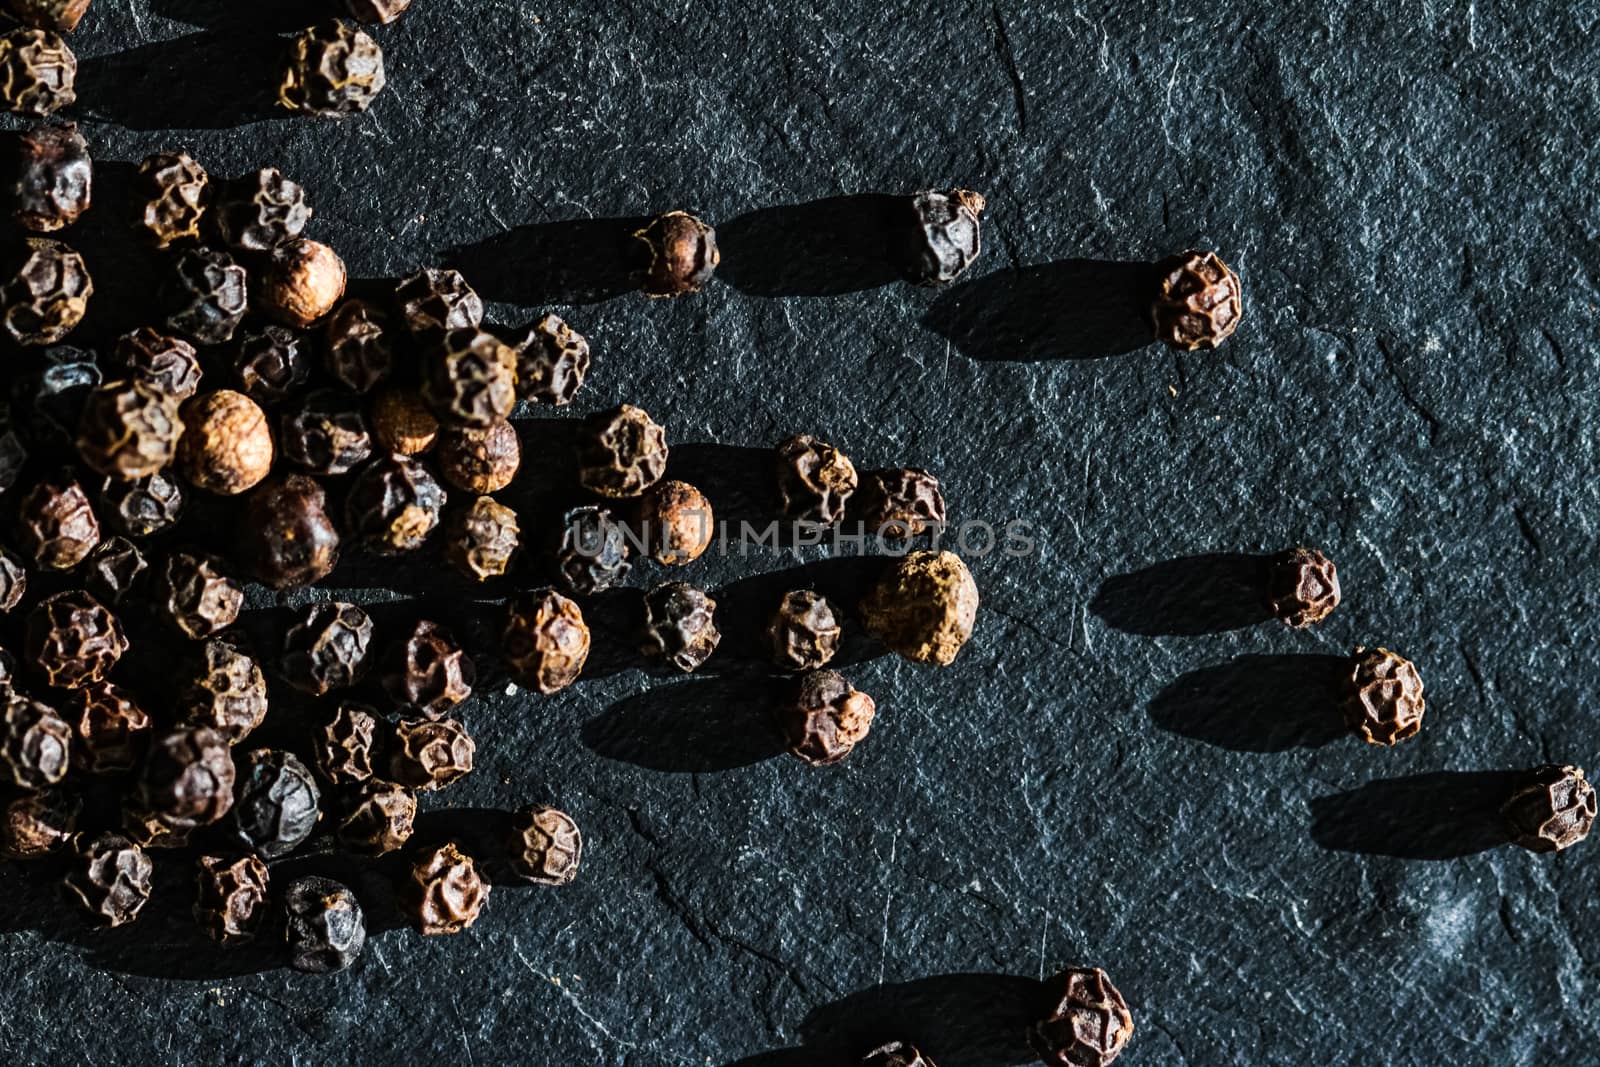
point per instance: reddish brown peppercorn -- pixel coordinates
(939, 235)
(428, 754)
(113, 569)
(924, 607)
(815, 479)
(346, 743)
(469, 378)
(35, 742)
(54, 179)
(545, 846)
(173, 192)
(196, 595)
(444, 891)
(62, 16)
(325, 433)
(479, 459)
(380, 11)
(1302, 587)
(545, 642)
(552, 361)
(327, 647)
(187, 780)
(1384, 701)
(260, 211)
(433, 302)
(825, 717)
(1088, 1023)
(226, 445)
(73, 640)
(896, 1054)
(231, 898)
(128, 430)
(334, 70)
(428, 671)
(46, 293)
(37, 824)
(143, 506)
(483, 539)
(402, 422)
(622, 453)
(110, 725)
(57, 526)
(900, 503)
(380, 820)
(676, 523)
(225, 692)
(164, 363)
(270, 365)
(110, 878)
(301, 283)
(590, 551)
(205, 295)
(680, 625)
(1198, 301)
(393, 505)
(1553, 809)
(356, 345)
(37, 72)
(288, 539)
(804, 631)
(682, 254)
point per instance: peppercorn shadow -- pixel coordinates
(1074, 309)
(738, 480)
(822, 248)
(976, 1020)
(573, 261)
(690, 727)
(1441, 815)
(1192, 595)
(745, 607)
(1256, 703)
(214, 79)
(275, 17)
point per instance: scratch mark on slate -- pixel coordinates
(1008, 57)
(1526, 529)
(1555, 346)
(1406, 394)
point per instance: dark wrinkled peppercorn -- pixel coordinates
(682, 254)
(37, 824)
(288, 539)
(825, 717)
(334, 70)
(545, 846)
(428, 671)
(188, 776)
(323, 925)
(260, 211)
(590, 551)
(110, 877)
(622, 452)
(345, 744)
(381, 11)
(444, 892)
(73, 640)
(356, 346)
(301, 282)
(46, 294)
(162, 362)
(804, 631)
(270, 365)
(113, 569)
(37, 72)
(8, 669)
(62, 16)
(815, 479)
(469, 378)
(13, 449)
(680, 625)
(552, 361)
(172, 193)
(57, 526)
(205, 295)
(226, 691)
(482, 539)
(13, 580)
(896, 1054)
(275, 805)
(676, 523)
(380, 819)
(110, 725)
(1087, 1023)
(393, 505)
(402, 422)
(327, 647)
(479, 459)
(325, 433)
(231, 898)
(226, 445)
(143, 506)
(196, 595)
(1302, 587)
(128, 430)
(1553, 809)
(900, 503)
(429, 754)
(149, 831)
(36, 743)
(1383, 702)
(545, 642)
(939, 235)
(48, 401)
(924, 607)
(433, 302)
(1198, 301)
(54, 179)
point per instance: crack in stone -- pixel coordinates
(1406, 394)
(1009, 60)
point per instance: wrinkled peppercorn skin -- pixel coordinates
(1198, 301)
(825, 718)
(323, 924)
(57, 525)
(680, 626)
(402, 422)
(552, 361)
(815, 480)
(142, 507)
(196, 596)
(275, 804)
(1087, 1023)
(1383, 701)
(433, 302)
(62, 16)
(226, 447)
(35, 743)
(804, 632)
(394, 505)
(188, 778)
(206, 295)
(939, 235)
(173, 192)
(357, 349)
(110, 877)
(427, 754)
(260, 211)
(231, 898)
(590, 553)
(129, 430)
(380, 819)
(479, 459)
(225, 692)
(301, 283)
(676, 523)
(469, 378)
(375, 11)
(681, 255)
(110, 726)
(13, 580)
(334, 70)
(545, 847)
(622, 452)
(54, 178)
(900, 503)
(271, 365)
(327, 647)
(166, 364)
(345, 745)
(483, 539)
(545, 642)
(325, 434)
(288, 539)
(444, 892)
(38, 824)
(924, 607)
(1552, 809)
(896, 1054)
(114, 569)
(73, 640)
(428, 671)
(46, 293)
(151, 831)
(1302, 587)
(38, 72)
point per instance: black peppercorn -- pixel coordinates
(57, 526)
(128, 430)
(288, 538)
(552, 361)
(196, 596)
(590, 552)
(62, 16)
(188, 776)
(334, 70)
(682, 254)
(325, 433)
(35, 742)
(37, 72)
(1198, 301)
(402, 422)
(815, 479)
(432, 302)
(444, 891)
(676, 523)
(54, 179)
(159, 361)
(73, 640)
(380, 819)
(271, 365)
(804, 631)
(13, 449)
(924, 607)
(226, 691)
(622, 452)
(1383, 699)
(231, 898)
(172, 192)
(37, 824)
(428, 754)
(825, 717)
(939, 236)
(479, 459)
(260, 211)
(381, 11)
(357, 348)
(143, 506)
(148, 830)
(428, 671)
(110, 878)
(110, 725)
(46, 402)
(301, 283)
(46, 294)
(900, 503)
(680, 625)
(545, 642)
(896, 1054)
(393, 505)
(323, 924)
(545, 846)
(469, 378)
(345, 744)
(1087, 1023)
(327, 647)
(226, 445)
(1302, 587)
(113, 569)
(1552, 809)
(13, 580)
(205, 295)
(275, 805)
(482, 539)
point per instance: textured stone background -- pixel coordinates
(1109, 774)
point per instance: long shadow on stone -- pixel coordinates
(1441, 815)
(1073, 309)
(822, 248)
(231, 15)
(1193, 595)
(976, 1020)
(738, 480)
(1256, 703)
(698, 725)
(575, 261)
(215, 79)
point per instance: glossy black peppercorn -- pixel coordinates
(676, 523)
(325, 433)
(334, 70)
(275, 804)
(37, 72)
(482, 539)
(479, 459)
(428, 671)
(545, 846)
(225, 691)
(380, 819)
(113, 569)
(35, 742)
(924, 607)
(680, 254)
(142, 507)
(469, 378)
(260, 211)
(427, 754)
(443, 892)
(172, 194)
(46, 292)
(433, 302)
(271, 365)
(393, 505)
(357, 349)
(323, 924)
(622, 452)
(1198, 301)
(301, 283)
(327, 647)
(54, 179)
(231, 898)
(110, 725)
(680, 625)
(552, 361)
(545, 642)
(1302, 587)
(62, 16)
(380, 11)
(900, 503)
(56, 524)
(402, 422)
(939, 235)
(110, 877)
(37, 824)
(128, 430)
(159, 361)
(226, 445)
(13, 580)
(188, 777)
(196, 595)
(815, 480)
(288, 539)
(1383, 700)
(1087, 1023)
(825, 717)
(345, 744)
(206, 295)
(804, 631)
(73, 639)
(590, 551)
(1553, 808)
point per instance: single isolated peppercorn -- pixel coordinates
(323, 925)
(271, 365)
(142, 507)
(552, 361)
(900, 503)
(815, 480)
(171, 195)
(924, 607)
(37, 824)
(325, 433)
(428, 671)
(676, 523)
(622, 452)
(110, 877)
(327, 647)
(393, 505)
(545, 642)
(231, 898)
(444, 891)
(113, 569)
(1383, 702)
(825, 717)
(379, 11)
(334, 70)
(275, 804)
(680, 625)
(187, 779)
(896, 1054)
(356, 346)
(1302, 587)
(36, 743)
(345, 744)
(479, 459)
(164, 363)
(46, 293)
(469, 378)
(13, 580)
(56, 524)
(62, 16)
(73, 639)
(301, 282)
(110, 725)
(482, 539)
(590, 553)
(433, 302)
(545, 846)
(1087, 1023)
(804, 631)
(938, 235)
(225, 691)
(54, 178)
(428, 754)
(38, 72)
(260, 211)
(196, 595)
(1552, 809)
(380, 819)
(206, 295)
(402, 422)
(1197, 303)
(226, 445)
(288, 539)
(128, 430)
(681, 255)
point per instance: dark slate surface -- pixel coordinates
(1107, 775)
